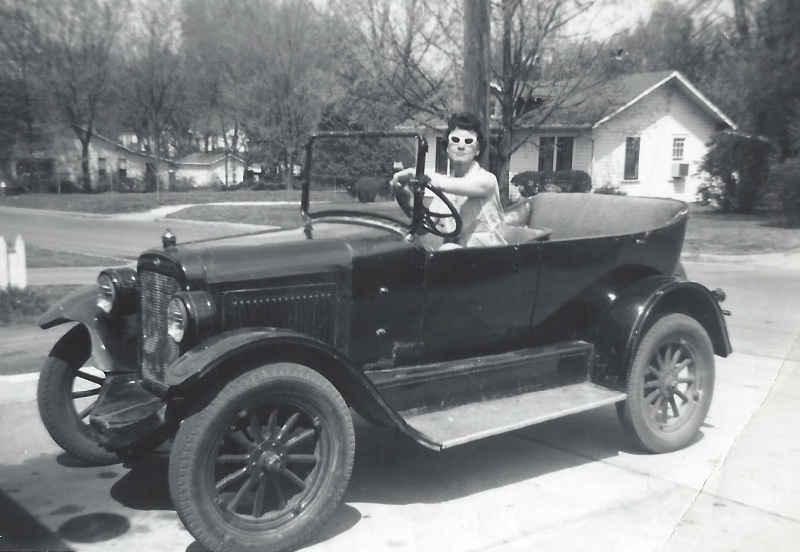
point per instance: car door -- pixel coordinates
(479, 299)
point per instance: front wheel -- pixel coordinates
(66, 396)
(669, 385)
(264, 462)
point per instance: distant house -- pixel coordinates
(645, 133)
(58, 161)
(206, 169)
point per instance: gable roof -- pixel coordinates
(630, 89)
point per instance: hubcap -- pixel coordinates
(267, 464)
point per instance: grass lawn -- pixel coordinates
(39, 257)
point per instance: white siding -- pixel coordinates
(208, 175)
(657, 119)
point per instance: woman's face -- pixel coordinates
(462, 145)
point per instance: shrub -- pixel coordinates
(266, 185)
(127, 185)
(531, 183)
(182, 184)
(609, 189)
(741, 163)
(367, 188)
(785, 180)
(17, 186)
(16, 304)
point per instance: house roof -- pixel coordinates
(204, 159)
(629, 89)
(592, 108)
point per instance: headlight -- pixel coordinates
(176, 319)
(117, 291)
(106, 293)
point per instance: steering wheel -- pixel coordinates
(430, 218)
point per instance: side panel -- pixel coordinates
(479, 299)
(568, 267)
(387, 304)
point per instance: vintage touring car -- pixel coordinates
(250, 351)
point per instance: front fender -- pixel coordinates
(113, 348)
(236, 349)
(78, 306)
(640, 305)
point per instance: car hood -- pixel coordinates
(329, 248)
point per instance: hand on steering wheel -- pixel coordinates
(429, 218)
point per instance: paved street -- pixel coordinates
(567, 485)
(111, 236)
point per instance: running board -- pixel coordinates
(470, 422)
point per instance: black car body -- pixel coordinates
(282, 332)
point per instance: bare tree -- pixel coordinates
(207, 27)
(402, 60)
(21, 48)
(78, 40)
(154, 78)
(283, 75)
(548, 65)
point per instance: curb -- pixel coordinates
(769, 259)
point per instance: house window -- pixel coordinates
(555, 153)
(632, 158)
(102, 166)
(122, 167)
(677, 148)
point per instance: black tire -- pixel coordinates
(669, 385)
(67, 393)
(262, 464)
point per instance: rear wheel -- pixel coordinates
(264, 462)
(67, 393)
(670, 385)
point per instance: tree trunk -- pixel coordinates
(507, 102)
(476, 64)
(85, 174)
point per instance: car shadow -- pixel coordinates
(390, 468)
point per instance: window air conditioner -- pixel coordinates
(679, 170)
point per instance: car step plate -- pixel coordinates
(469, 422)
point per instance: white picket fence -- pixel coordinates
(13, 266)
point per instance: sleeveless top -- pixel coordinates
(482, 217)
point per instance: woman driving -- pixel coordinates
(472, 189)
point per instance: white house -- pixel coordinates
(644, 133)
(206, 169)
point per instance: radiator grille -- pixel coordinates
(157, 349)
(308, 309)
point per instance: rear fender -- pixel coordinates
(228, 354)
(638, 307)
(113, 341)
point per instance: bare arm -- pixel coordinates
(480, 184)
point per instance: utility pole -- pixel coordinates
(476, 64)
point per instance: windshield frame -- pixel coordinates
(359, 216)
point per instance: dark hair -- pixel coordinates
(467, 121)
